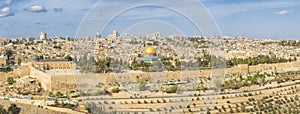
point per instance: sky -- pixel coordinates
(276, 19)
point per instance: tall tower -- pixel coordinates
(115, 35)
(126, 35)
(43, 35)
(98, 35)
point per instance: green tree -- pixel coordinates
(134, 65)
(69, 106)
(142, 86)
(178, 64)
(2, 110)
(13, 109)
(7, 69)
(9, 53)
(69, 58)
(115, 90)
(19, 61)
(10, 80)
(172, 89)
(59, 94)
(103, 66)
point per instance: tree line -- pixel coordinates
(168, 64)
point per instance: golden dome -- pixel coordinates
(150, 50)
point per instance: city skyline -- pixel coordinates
(149, 56)
(258, 19)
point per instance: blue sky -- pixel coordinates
(277, 19)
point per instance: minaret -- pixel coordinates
(115, 35)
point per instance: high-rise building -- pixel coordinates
(154, 36)
(126, 35)
(43, 35)
(98, 35)
(115, 35)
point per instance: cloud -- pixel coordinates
(5, 9)
(5, 12)
(58, 10)
(5, 2)
(283, 12)
(36, 9)
(223, 9)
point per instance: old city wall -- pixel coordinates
(278, 67)
(19, 72)
(43, 77)
(70, 82)
(244, 69)
(62, 83)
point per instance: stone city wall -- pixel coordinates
(19, 72)
(278, 67)
(67, 83)
(244, 69)
(63, 84)
(43, 77)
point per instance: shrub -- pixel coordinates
(10, 80)
(216, 108)
(164, 101)
(172, 89)
(231, 111)
(69, 106)
(250, 94)
(115, 90)
(220, 110)
(13, 109)
(158, 101)
(188, 106)
(194, 104)
(59, 94)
